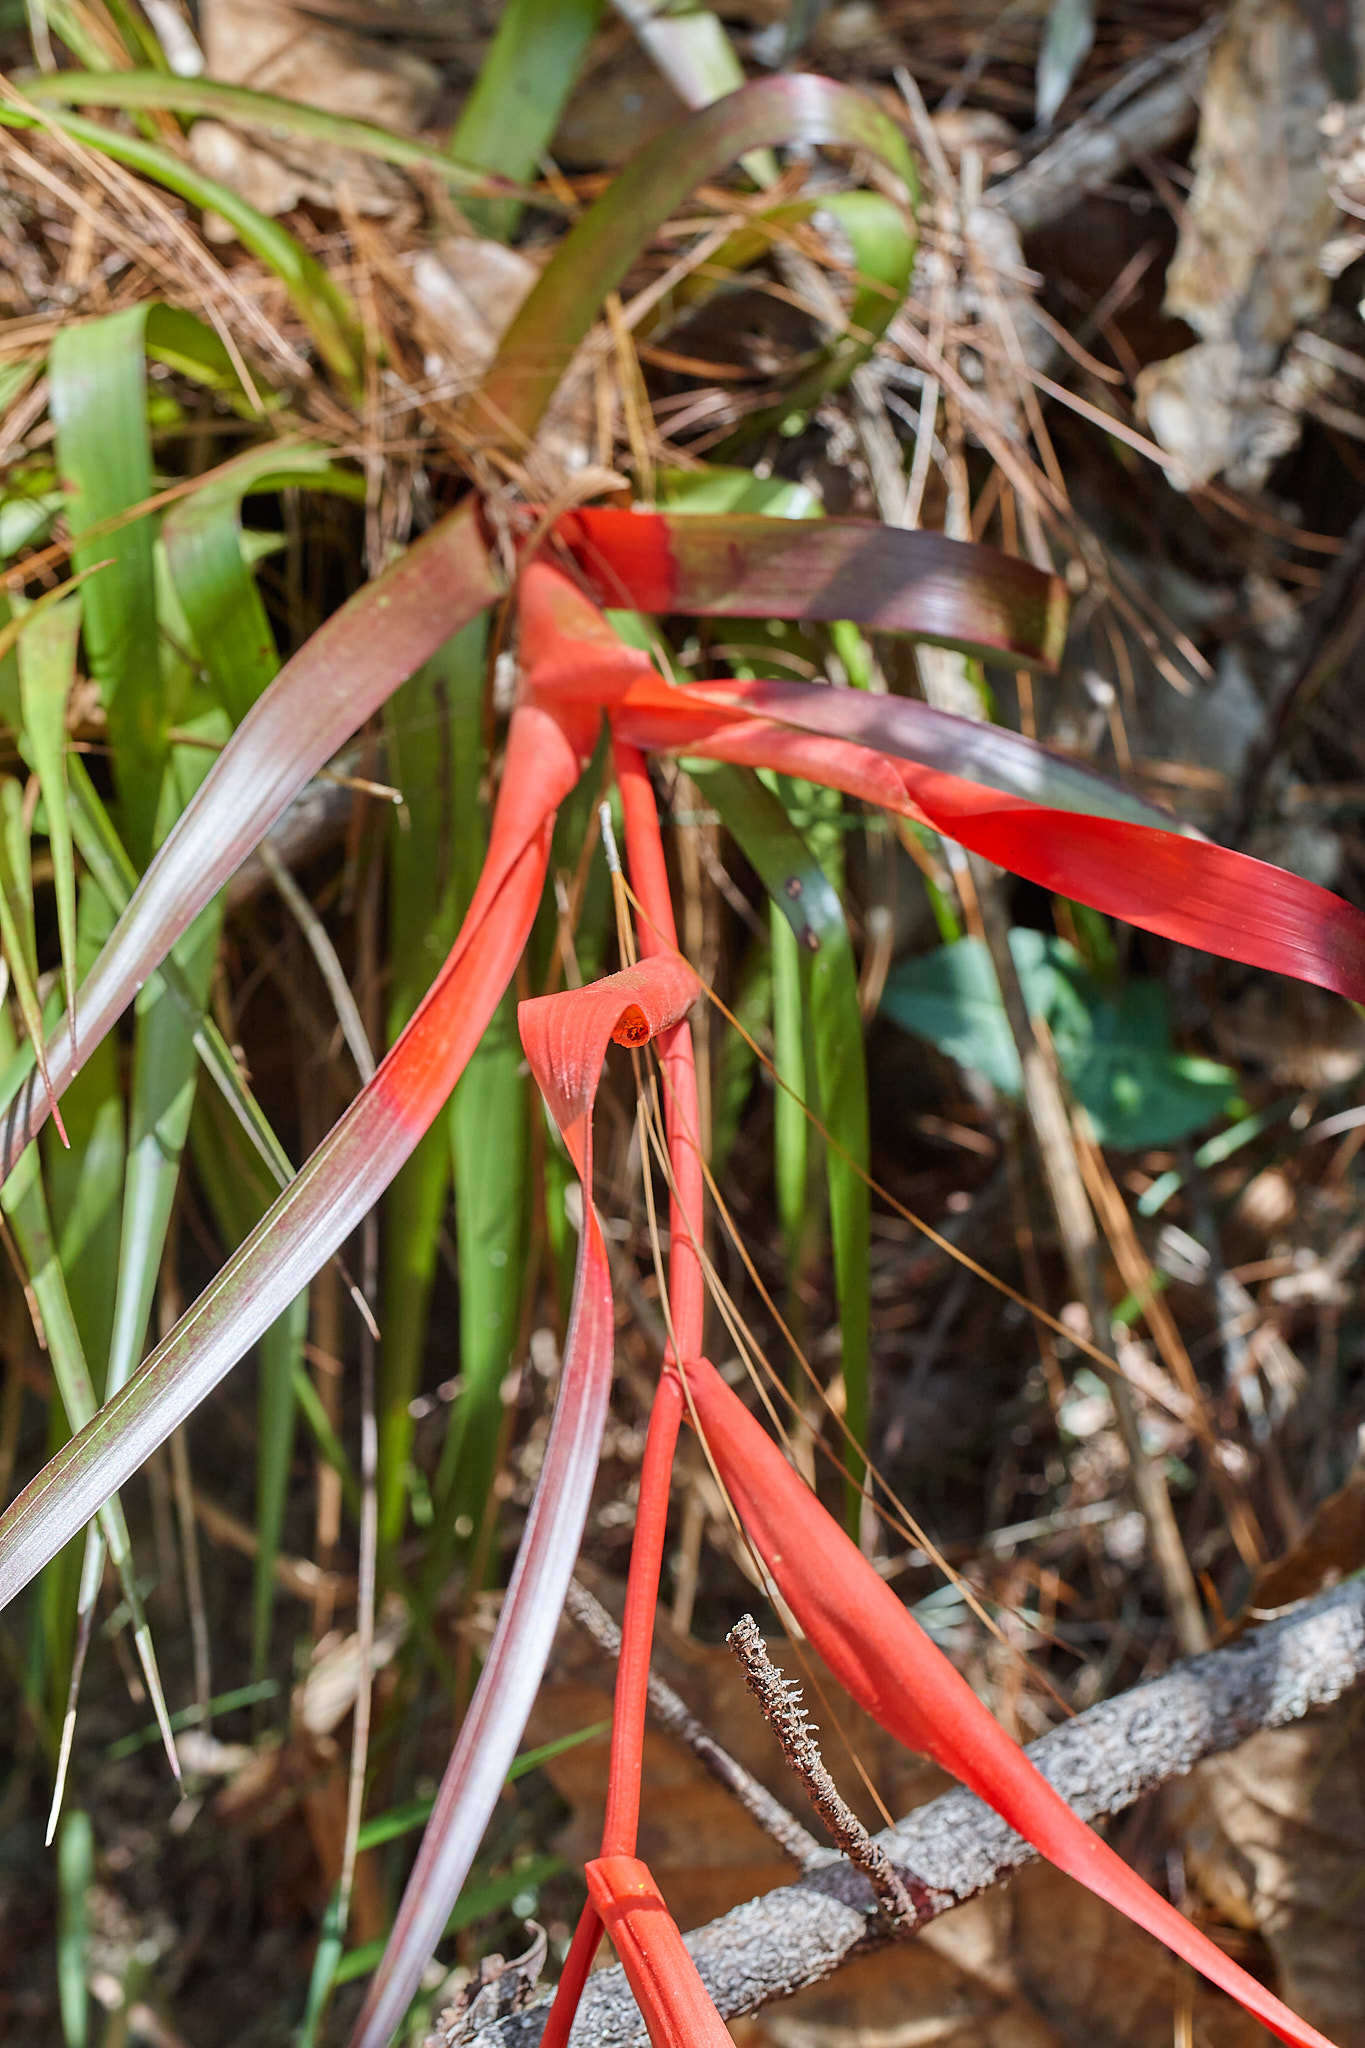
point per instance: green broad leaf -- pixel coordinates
(522, 89)
(1114, 1049)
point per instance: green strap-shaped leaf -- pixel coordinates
(432, 726)
(212, 580)
(26, 1210)
(522, 88)
(18, 941)
(98, 382)
(330, 687)
(138, 90)
(239, 1193)
(47, 667)
(799, 888)
(228, 624)
(595, 255)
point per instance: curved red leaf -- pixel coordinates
(880, 1654)
(894, 579)
(1051, 821)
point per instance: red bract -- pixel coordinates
(674, 2003)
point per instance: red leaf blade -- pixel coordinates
(889, 578)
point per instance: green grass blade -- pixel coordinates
(47, 668)
(98, 383)
(694, 53)
(791, 1131)
(434, 729)
(213, 582)
(329, 315)
(490, 1153)
(239, 1194)
(116, 880)
(18, 939)
(595, 255)
(228, 623)
(800, 889)
(883, 241)
(75, 1876)
(522, 88)
(25, 1206)
(84, 1181)
(155, 90)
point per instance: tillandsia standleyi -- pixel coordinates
(1031, 811)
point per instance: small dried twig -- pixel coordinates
(780, 1699)
(673, 1716)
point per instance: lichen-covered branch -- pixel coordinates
(956, 1847)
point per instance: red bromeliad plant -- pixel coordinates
(1031, 811)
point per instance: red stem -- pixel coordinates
(656, 933)
(572, 1978)
(621, 1825)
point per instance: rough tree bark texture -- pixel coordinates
(956, 1847)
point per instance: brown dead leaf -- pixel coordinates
(276, 48)
(1247, 272)
(1330, 1549)
(1036, 1963)
(1275, 1835)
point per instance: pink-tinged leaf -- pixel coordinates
(901, 729)
(738, 565)
(880, 1654)
(566, 1038)
(320, 697)
(674, 2003)
(1045, 818)
(337, 1186)
(595, 255)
